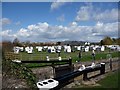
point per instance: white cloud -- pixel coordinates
(89, 12)
(5, 21)
(47, 32)
(57, 4)
(23, 33)
(84, 13)
(107, 15)
(109, 29)
(61, 18)
(7, 35)
(18, 23)
(73, 24)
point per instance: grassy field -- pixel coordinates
(86, 56)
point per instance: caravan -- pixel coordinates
(51, 49)
(29, 50)
(16, 50)
(86, 48)
(39, 48)
(67, 49)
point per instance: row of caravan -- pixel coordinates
(54, 49)
(50, 49)
(65, 48)
(90, 48)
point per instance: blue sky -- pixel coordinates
(56, 21)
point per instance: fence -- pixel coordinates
(63, 79)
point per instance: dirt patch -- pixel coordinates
(43, 73)
(12, 82)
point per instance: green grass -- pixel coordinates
(111, 81)
(86, 56)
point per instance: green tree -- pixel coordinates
(58, 43)
(101, 42)
(16, 42)
(118, 41)
(107, 41)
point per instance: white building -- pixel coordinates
(102, 48)
(86, 48)
(21, 49)
(29, 50)
(118, 48)
(26, 49)
(59, 47)
(67, 49)
(51, 49)
(78, 48)
(16, 50)
(87, 43)
(39, 48)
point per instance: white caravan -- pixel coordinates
(86, 48)
(29, 50)
(39, 48)
(102, 48)
(16, 50)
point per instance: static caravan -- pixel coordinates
(29, 50)
(51, 49)
(102, 48)
(118, 48)
(78, 48)
(39, 48)
(22, 49)
(87, 49)
(16, 50)
(67, 49)
(59, 47)
(26, 49)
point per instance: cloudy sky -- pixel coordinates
(59, 21)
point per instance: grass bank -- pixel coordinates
(111, 81)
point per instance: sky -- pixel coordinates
(59, 21)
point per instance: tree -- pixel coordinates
(16, 42)
(101, 42)
(106, 41)
(7, 46)
(118, 41)
(27, 43)
(58, 43)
